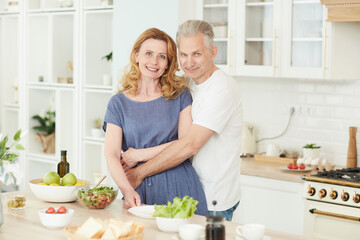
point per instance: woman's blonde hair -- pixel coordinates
(170, 84)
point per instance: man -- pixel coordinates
(214, 137)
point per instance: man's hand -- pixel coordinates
(134, 178)
(132, 199)
(131, 157)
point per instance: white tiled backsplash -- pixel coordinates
(324, 111)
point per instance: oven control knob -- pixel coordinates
(333, 194)
(356, 198)
(322, 193)
(344, 196)
(311, 191)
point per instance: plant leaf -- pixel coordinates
(20, 147)
(10, 157)
(17, 135)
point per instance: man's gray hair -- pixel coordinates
(192, 27)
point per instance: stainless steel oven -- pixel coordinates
(332, 205)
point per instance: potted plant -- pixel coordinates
(311, 150)
(107, 80)
(97, 131)
(46, 130)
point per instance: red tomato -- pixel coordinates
(295, 167)
(302, 167)
(61, 210)
(290, 166)
(50, 210)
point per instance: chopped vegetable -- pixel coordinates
(180, 208)
(99, 197)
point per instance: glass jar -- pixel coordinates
(215, 228)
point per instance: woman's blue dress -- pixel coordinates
(149, 124)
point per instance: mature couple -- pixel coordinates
(160, 125)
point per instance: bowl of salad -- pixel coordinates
(170, 217)
(99, 197)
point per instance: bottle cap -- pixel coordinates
(63, 152)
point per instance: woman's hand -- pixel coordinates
(131, 157)
(132, 199)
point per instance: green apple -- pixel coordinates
(51, 177)
(69, 179)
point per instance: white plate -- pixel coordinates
(285, 168)
(143, 211)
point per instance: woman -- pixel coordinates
(153, 109)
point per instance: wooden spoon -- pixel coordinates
(100, 181)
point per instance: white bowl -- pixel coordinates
(56, 193)
(170, 224)
(55, 220)
(191, 231)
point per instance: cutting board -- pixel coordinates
(283, 160)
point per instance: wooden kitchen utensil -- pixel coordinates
(100, 181)
(351, 156)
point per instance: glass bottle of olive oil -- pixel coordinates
(63, 165)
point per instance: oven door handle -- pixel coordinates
(314, 211)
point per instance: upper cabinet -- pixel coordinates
(258, 27)
(275, 38)
(57, 55)
(217, 13)
(10, 68)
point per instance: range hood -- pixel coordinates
(343, 10)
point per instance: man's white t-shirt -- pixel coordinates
(217, 106)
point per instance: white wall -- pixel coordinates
(131, 18)
(324, 112)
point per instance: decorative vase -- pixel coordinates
(107, 80)
(311, 153)
(97, 132)
(47, 141)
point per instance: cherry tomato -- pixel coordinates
(290, 166)
(302, 167)
(50, 210)
(61, 210)
(295, 167)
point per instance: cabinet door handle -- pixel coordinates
(274, 51)
(324, 52)
(314, 211)
(228, 51)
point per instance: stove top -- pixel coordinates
(345, 176)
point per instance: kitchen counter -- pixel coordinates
(252, 167)
(25, 224)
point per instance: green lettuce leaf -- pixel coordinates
(180, 208)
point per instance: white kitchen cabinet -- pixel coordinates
(52, 51)
(10, 32)
(97, 86)
(274, 38)
(314, 48)
(220, 14)
(277, 204)
(259, 45)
